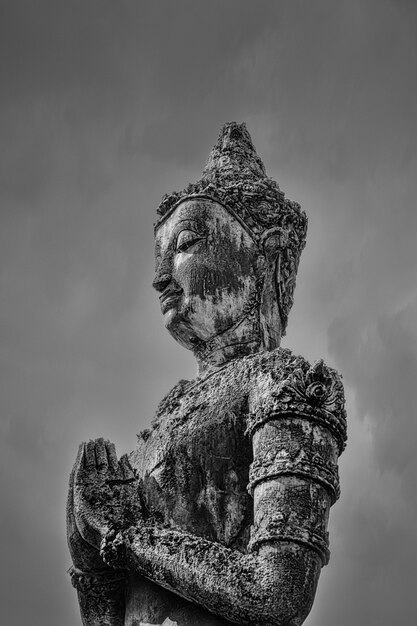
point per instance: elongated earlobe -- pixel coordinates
(273, 242)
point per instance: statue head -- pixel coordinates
(227, 253)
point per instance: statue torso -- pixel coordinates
(194, 463)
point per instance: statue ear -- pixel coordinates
(273, 242)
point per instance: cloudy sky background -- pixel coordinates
(105, 106)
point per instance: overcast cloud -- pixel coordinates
(104, 107)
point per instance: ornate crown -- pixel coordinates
(235, 177)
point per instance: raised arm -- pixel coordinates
(298, 432)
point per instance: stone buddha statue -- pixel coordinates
(219, 515)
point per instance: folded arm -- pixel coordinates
(276, 586)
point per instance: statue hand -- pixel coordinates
(105, 492)
(84, 556)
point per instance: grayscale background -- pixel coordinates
(106, 105)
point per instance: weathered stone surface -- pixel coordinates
(219, 516)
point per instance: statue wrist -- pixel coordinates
(97, 582)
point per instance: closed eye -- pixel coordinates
(187, 239)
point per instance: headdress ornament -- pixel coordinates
(235, 177)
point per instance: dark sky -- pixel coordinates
(104, 107)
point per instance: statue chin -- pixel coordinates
(170, 318)
(180, 329)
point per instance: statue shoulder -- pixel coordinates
(288, 385)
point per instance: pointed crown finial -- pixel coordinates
(234, 156)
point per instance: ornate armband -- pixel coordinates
(313, 393)
(298, 434)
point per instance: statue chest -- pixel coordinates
(195, 464)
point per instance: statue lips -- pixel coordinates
(169, 298)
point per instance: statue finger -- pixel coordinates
(90, 455)
(126, 468)
(112, 456)
(70, 499)
(101, 454)
(85, 471)
(77, 465)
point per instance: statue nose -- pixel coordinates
(161, 282)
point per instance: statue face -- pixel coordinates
(205, 271)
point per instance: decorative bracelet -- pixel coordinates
(113, 550)
(95, 582)
(279, 529)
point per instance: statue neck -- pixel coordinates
(239, 340)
